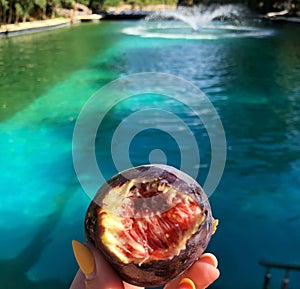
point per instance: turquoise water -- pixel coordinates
(253, 80)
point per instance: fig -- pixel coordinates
(151, 223)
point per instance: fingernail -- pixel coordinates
(210, 259)
(84, 258)
(186, 283)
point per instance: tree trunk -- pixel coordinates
(53, 12)
(24, 18)
(44, 13)
(17, 18)
(10, 12)
(4, 16)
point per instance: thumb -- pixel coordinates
(95, 272)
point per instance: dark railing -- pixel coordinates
(286, 267)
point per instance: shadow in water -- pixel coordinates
(14, 271)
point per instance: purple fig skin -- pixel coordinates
(153, 273)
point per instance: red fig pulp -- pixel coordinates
(151, 223)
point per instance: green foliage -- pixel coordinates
(3, 8)
(83, 2)
(111, 3)
(27, 6)
(68, 4)
(13, 10)
(4, 4)
(19, 9)
(40, 3)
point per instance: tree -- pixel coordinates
(42, 6)
(26, 7)
(3, 10)
(52, 5)
(19, 12)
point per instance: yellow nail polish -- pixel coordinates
(186, 283)
(210, 259)
(84, 257)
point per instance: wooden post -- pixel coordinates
(267, 279)
(285, 280)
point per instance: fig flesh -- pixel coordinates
(151, 223)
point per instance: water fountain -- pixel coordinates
(198, 22)
(199, 16)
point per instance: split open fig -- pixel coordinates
(151, 223)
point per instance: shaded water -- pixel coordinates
(253, 82)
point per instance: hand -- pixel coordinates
(96, 273)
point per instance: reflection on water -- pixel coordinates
(32, 64)
(252, 82)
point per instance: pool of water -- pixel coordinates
(253, 81)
